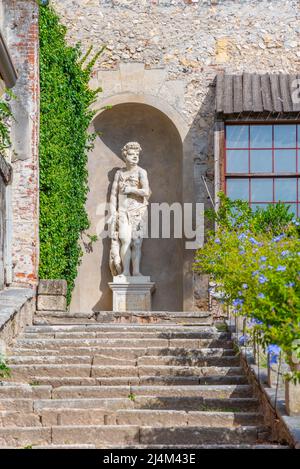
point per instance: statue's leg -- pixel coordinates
(136, 255)
(125, 238)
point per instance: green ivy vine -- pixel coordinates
(5, 116)
(64, 142)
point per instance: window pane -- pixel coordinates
(285, 136)
(237, 161)
(237, 136)
(261, 190)
(238, 189)
(293, 208)
(285, 189)
(260, 206)
(261, 161)
(261, 136)
(285, 161)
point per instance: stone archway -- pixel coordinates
(162, 144)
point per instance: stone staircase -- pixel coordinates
(141, 380)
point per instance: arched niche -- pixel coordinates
(162, 158)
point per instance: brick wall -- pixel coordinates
(21, 31)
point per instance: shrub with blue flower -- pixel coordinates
(263, 284)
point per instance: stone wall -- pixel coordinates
(175, 49)
(192, 40)
(20, 27)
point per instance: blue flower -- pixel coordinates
(238, 302)
(256, 272)
(245, 286)
(242, 252)
(281, 268)
(274, 352)
(217, 241)
(242, 236)
(278, 238)
(262, 279)
(290, 284)
(285, 253)
(243, 339)
(255, 322)
(261, 295)
(253, 240)
(296, 222)
(263, 258)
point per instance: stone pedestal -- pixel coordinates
(132, 293)
(292, 398)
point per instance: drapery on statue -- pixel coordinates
(128, 203)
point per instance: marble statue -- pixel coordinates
(128, 203)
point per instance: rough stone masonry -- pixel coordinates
(193, 40)
(173, 50)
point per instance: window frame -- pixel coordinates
(224, 175)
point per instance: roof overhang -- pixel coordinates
(7, 70)
(252, 95)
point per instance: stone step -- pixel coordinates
(63, 447)
(103, 435)
(31, 372)
(54, 359)
(199, 391)
(184, 361)
(165, 418)
(120, 335)
(111, 435)
(23, 390)
(150, 402)
(16, 404)
(206, 446)
(136, 381)
(120, 353)
(141, 417)
(18, 419)
(24, 437)
(140, 362)
(115, 328)
(126, 343)
(45, 318)
(143, 317)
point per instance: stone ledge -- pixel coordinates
(17, 307)
(51, 303)
(284, 427)
(52, 287)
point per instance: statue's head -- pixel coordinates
(131, 152)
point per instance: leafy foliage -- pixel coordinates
(5, 115)
(64, 142)
(4, 369)
(255, 258)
